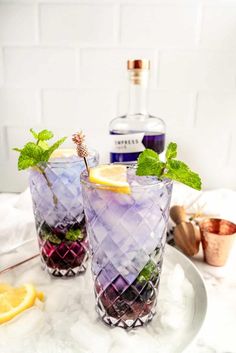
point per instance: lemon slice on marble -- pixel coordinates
(113, 176)
(15, 300)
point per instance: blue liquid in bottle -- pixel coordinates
(154, 141)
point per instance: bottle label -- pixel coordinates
(127, 143)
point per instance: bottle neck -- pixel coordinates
(138, 94)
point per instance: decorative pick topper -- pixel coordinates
(81, 148)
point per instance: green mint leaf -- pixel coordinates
(45, 135)
(43, 144)
(149, 271)
(171, 151)
(33, 153)
(52, 238)
(149, 164)
(73, 235)
(34, 134)
(24, 163)
(51, 149)
(30, 155)
(180, 172)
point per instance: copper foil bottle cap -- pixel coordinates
(138, 71)
(140, 64)
(217, 237)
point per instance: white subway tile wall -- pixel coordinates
(1, 70)
(19, 106)
(77, 24)
(40, 67)
(17, 22)
(218, 28)
(62, 66)
(159, 26)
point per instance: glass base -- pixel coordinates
(129, 309)
(122, 322)
(68, 272)
(66, 259)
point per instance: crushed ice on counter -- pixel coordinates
(68, 323)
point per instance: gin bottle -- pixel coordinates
(132, 133)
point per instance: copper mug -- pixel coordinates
(217, 236)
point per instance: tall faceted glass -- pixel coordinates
(127, 235)
(59, 216)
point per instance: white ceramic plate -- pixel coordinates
(69, 323)
(174, 256)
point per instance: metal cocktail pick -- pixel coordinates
(18, 264)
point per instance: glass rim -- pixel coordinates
(159, 183)
(63, 160)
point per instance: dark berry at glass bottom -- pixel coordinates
(130, 304)
(59, 215)
(154, 141)
(62, 257)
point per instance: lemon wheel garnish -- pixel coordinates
(15, 300)
(112, 176)
(63, 153)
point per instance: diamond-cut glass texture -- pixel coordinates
(127, 237)
(58, 208)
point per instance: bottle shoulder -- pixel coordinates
(120, 123)
(146, 123)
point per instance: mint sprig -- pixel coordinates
(150, 270)
(74, 234)
(171, 151)
(52, 238)
(149, 163)
(71, 235)
(35, 152)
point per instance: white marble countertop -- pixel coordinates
(218, 332)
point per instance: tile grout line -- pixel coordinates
(157, 66)
(158, 55)
(195, 109)
(117, 24)
(4, 66)
(228, 149)
(77, 68)
(37, 24)
(199, 23)
(41, 106)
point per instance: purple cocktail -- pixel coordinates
(59, 215)
(127, 234)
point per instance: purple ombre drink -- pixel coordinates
(59, 215)
(127, 234)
